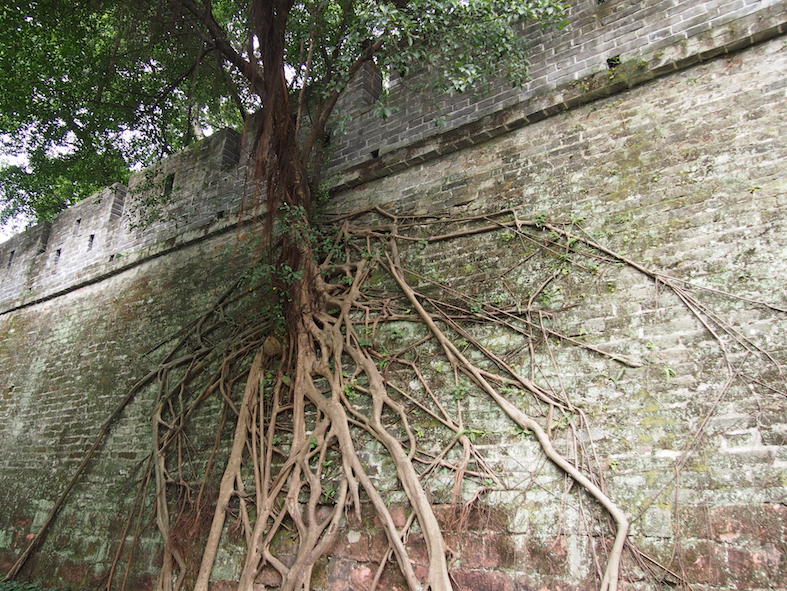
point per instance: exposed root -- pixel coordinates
(304, 405)
(610, 579)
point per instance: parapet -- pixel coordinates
(195, 190)
(606, 46)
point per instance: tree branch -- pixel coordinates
(211, 31)
(330, 103)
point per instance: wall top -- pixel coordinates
(110, 230)
(603, 36)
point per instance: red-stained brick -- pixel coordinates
(752, 568)
(78, 574)
(765, 523)
(378, 545)
(268, 576)
(681, 172)
(702, 562)
(476, 517)
(481, 580)
(547, 556)
(360, 550)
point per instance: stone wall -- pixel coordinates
(66, 363)
(681, 173)
(600, 33)
(187, 196)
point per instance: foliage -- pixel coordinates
(48, 184)
(92, 87)
(302, 404)
(87, 92)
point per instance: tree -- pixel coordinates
(95, 87)
(103, 84)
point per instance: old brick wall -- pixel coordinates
(66, 363)
(682, 173)
(628, 30)
(186, 196)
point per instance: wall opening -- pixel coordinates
(76, 225)
(90, 240)
(169, 183)
(10, 259)
(613, 62)
(57, 255)
(43, 240)
(117, 203)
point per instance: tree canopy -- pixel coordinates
(94, 87)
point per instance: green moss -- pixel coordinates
(319, 578)
(653, 478)
(377, 279)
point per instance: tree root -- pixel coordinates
(304, 403)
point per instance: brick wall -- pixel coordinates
(199, 191)
(66, 363)
(682, 173)
(629, 30)
(105, 233)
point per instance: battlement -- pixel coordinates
(185, 196)
(608, 47)
(667, 336)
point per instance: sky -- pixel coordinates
(10, 229)
(15, 226)
(18, 225)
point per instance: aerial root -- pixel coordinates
(304, 407)
(611, 574)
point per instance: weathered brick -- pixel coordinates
(684, 173)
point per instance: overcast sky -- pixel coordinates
(9, 159)
(10, 229)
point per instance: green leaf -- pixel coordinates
(92, 87)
